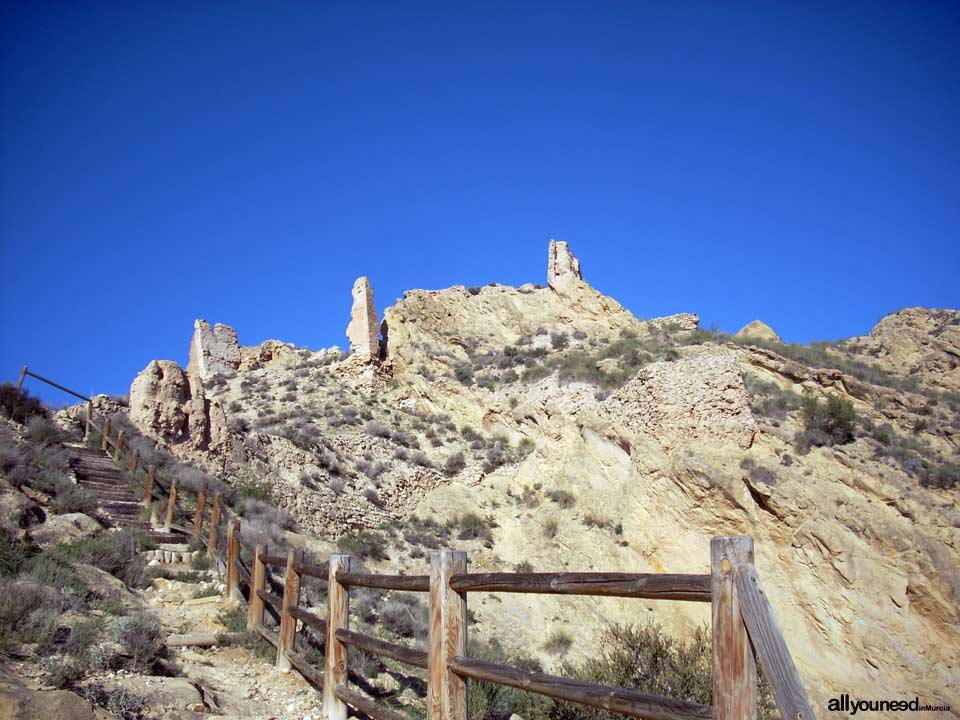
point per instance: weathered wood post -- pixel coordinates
(171, 505)
(233, 557)
(148, 488)
(335, 660)
(23, 374)
(213, 538)
(119, 450)
(198, 513)
(734, 666)
(134, 461)
(258, 581)
(446, 691)
(89, 422)
(288, 623)
(105, 443)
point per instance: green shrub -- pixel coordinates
(559, 341)
(61, 672)
(365, 544)
(945, 475)
(13, 553)
(558, 643)
(18, 405)
(28, 614)
(645, 658)
(492, 700)
(234, 619)
(405, 616)
(115, 552)
(255, 489)
(454, 464)
(562, 498)
(829, 423)
(474, 527)
(139, 635)
(74, 500)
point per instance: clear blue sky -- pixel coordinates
(245, 161)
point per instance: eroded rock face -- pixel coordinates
(563, 269)
(916, 342)
(159, 400)
(213, 350)
(171, 405)
(697, 399)
(364, 327)
(758, 329)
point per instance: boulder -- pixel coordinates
(64, 528)
(759, 330)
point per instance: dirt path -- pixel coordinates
(232, 681)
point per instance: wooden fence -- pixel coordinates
(744, 628)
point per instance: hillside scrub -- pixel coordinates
(38, 588)
(18, 405)
(830, 423)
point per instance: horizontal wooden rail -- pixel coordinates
(303, 666)
(267, 634)
(416, 583)
(361, 702)
(308, 618)
(242, 569)
(417, 658)
(631, 585)
(626, 702)
(770, 646)
(318, 571)
(270, 598)
(277, 560)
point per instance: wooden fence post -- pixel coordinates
(335, 659)
(446, 691)
(213, 538)
(233, 557)
(198, 513)
(148, 488)
(258, 581)
(288, 623)
(105, 443)
(23, 374)
(734, 665)
(86, 428)
(134, 461)
(171, 505)
(119, 450)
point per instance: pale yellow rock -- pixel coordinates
(364, 328)
(213, 350)
(758, 329)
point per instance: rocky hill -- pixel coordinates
(549, 427)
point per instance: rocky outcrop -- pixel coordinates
(695, 400)
(364, 328)
(920, 343)
(160, 401)
(681, 322)
(563, 269)
(213, 350)
(169, 404)
(759, 330)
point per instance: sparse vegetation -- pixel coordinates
(829, 423)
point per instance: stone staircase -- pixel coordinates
(118, 506)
